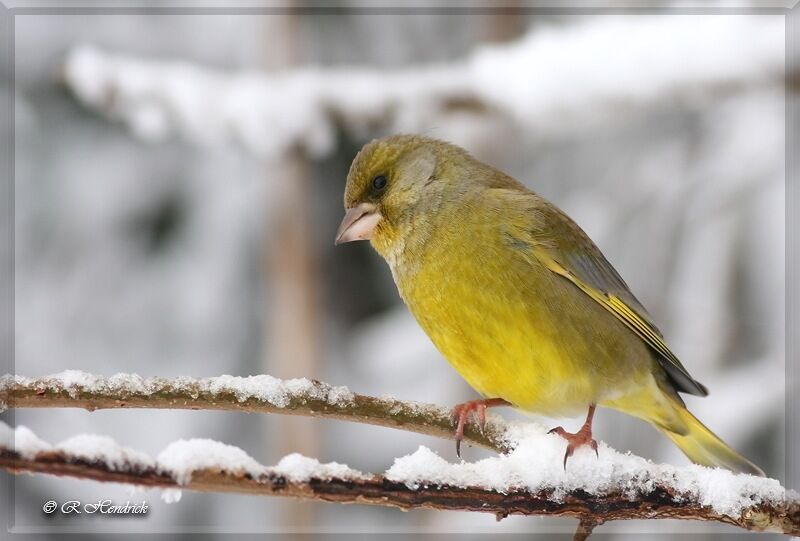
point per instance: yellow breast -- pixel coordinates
(513, 329)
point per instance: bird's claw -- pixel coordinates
(576, 440)
(459, 420)
(461, 413)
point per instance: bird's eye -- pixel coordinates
(379, 183)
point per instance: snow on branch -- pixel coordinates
(527, 480)
(255, 394)
(550, 79)
(503, 486)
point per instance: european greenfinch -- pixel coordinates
(516, 296)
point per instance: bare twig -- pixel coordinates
(586, 526)
(660, 503)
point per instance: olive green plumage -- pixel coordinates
(515, 295)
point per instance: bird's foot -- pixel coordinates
(461, 412)
(578, 439)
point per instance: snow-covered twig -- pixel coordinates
(423, 480)
(256, 394)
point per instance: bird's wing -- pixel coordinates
(564, 248)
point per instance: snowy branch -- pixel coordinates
(545, 81)
(209, 466)
(254, 394)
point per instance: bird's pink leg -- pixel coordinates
(579, 438)
(462, 411)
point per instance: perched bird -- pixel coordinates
(516, 296)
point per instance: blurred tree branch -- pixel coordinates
(514, 80)
(660, 503)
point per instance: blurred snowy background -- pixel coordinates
(179, 178)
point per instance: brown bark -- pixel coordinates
(591, 510)
(189, 393)
(321, 400)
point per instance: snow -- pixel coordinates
(72, 380)
(543, 80)
(75, 382)
(22, 440)
(299, 469)
(171, 495)
(264, 388)
(549, 69)
(85, 447)
(535, 465)
(180, 459)
(183, 457)
(92, 448)
(276, 391)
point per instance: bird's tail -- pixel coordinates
(703, 446)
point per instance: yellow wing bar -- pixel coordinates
(622, 312)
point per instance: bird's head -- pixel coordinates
(393, 185)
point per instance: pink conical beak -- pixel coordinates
(358, 223)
